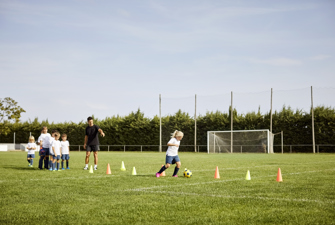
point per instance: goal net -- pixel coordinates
(240, 141)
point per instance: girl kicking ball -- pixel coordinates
(172, 153)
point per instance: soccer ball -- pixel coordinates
(187, 173)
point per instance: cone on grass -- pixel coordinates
(91, 169)
(134, 171)
(163, 173)
(247, 177)
(122, 166)
(108, 169)
(279, 178)
(217, 175)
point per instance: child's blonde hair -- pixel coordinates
(31, 138)
(177, 133)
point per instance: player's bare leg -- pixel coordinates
(95, 159)
(87, 159)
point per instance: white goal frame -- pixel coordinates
(269, 140)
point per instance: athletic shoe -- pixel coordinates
(31, 166)
(68, 168)
(85, 168)
(175, 176)
(95, 168)
(50, 169)
(158, 174)
(55, 169)
(63, 168)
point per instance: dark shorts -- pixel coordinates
(44, 152)
(31, 156)
(56, 157)
(65, 157)
(92, 148)
(172, 159)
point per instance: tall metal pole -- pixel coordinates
(231, 123)
(312, 109)
(282, 142)
(195, 124)
(271, 112)
(14, 141)
(160, 123)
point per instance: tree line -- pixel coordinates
(136, 129)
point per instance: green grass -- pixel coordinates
(306, 195)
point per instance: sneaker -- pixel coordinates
(50, 169)
(95, 168)
(31, 166)
(175, 176)
(63, 168)
(55, 169)
(158, 174)
(68, 168)
(85, 168)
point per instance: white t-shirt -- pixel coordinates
(65, 147)
(51, 139)
(46, 140)
(173, 150)
(56, 146)
(31, 145)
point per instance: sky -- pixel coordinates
(66, 60)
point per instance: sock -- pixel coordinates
(50, 164)
(175, 171)
(28, 160)
(67, 164)
(86, 165)
(95, 165)
(162, 169)
(31, 162)
(54, 165)
(62, 164)
(58, 166)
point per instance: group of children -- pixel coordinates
(49, 146)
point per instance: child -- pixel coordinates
(172, 153)
(44, 141)
(65, 151)
(31, 146)
(52, 138)
(56, 151)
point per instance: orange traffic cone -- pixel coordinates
(163, 173)
(217, 175)
(279, 178)
(108, 169)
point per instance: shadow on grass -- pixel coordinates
(21, 168)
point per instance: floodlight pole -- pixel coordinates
(312, 109)
(271, 112)
(195, 125)
(231, 123)
(160, 123)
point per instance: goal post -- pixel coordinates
(240, 141)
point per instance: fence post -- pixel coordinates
(124, 148)
(141, 148)
(108, 148)
(241, 148)
(318, 148)
(79, 148)
(290, 148)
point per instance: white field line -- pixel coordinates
(235, 196)
(63, 178)
(218, 181)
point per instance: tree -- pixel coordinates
(9, 111)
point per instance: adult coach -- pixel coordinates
(92, 142)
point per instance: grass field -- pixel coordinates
(75, 196)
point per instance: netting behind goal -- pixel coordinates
(239, 141)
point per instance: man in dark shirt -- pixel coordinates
(92, 142)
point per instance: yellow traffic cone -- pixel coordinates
(134, 171)
(247, 177)
(122, 166)
(91, 169)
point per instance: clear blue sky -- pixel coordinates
(65, 60)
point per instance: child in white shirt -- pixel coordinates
(65, 151)
(56, 151)
(31, 147)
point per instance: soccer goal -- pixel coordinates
(240, 141)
